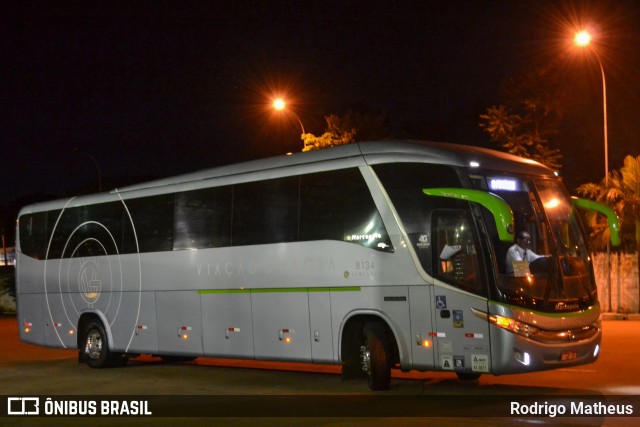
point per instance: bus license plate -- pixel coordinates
(569, 355)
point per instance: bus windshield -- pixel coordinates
(548, 266)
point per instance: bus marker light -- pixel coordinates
(27, 330)
(474, 335)
(183, 332)
(71, 332)
(284, 335)
(228, 331)
(426, 343)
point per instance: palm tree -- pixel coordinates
(622, 193)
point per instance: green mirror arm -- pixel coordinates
(500, 209)
(612, 218)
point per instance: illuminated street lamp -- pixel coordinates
(279, 104)
(583, 39)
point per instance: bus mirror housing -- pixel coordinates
(500, 210)
(612, 218)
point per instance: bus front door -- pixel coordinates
(461, 338)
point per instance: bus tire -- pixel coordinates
(95, 349)
(375, 356)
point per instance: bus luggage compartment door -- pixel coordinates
(281, 325)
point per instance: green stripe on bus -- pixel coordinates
(276, 290)
(558, 314)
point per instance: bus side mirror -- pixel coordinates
(501, 211)
(612, 218)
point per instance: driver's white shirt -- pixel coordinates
(516, 253)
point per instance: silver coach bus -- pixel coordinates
(376, 256)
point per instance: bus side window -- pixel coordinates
(337, 205)
(455, 256)
(34, 235)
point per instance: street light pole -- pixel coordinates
(606, 133)
(95, 163)
(279, 104)
(583, 39)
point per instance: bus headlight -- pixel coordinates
(514, 326)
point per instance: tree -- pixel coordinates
(334, 135)
(529, 117)
(348, 128)
(621, 192)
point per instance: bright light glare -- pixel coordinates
(553, 203)
(279, 104)
(583, 38)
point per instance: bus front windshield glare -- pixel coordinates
(547, 267)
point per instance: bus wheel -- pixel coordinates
(96, 348)
(466, 376)
(374, 356)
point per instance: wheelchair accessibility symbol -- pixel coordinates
(441, 302)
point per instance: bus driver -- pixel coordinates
(521, 251)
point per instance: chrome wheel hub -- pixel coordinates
(365, 358)
(93, 345)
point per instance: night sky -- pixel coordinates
(143, 91)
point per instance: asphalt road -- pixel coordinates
(246, 388)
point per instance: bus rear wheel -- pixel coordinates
(95, 350)
(375, 357)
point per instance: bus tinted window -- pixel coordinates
(265, 212)
(153, 218)
(62, 237)
(99, 230)
(337, 205)
(33, 235)
(404, 183)
(203, 219)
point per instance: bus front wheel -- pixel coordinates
(375, 357)
(95, 350)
